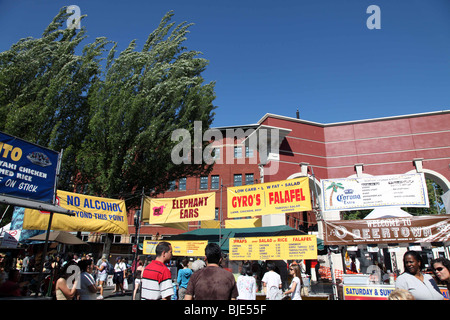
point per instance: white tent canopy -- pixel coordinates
(387, 212)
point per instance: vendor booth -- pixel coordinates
(281, 245)
(373, 249)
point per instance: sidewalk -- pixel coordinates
(108, 294)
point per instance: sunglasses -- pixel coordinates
(439, 269)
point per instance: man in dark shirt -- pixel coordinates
(212, 282)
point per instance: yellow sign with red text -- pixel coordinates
(269, 198)
(182, 209)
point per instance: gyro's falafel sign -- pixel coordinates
(269, 198)
(27, 170)
(182, 209)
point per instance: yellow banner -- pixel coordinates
(274, 248)
(92, 214)
(269, 198)
(179, 248)
(210, 224)
(182, 209)
(243, 223)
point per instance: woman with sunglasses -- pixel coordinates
(441, 268)
(296, 284)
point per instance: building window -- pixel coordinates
(182, 184)
(237, 152)
(237, 180)
(117, 238)
(217, 214)
(249, 178)
(248, 152)
(172, 185)
(214, 182)
(216, 153)
(204, 183)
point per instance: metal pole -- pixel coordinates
(319, 215)
(4, 213)
(220, 214)
(44, 253)
(137, 225)
(333, 279)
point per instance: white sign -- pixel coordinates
(10, 239)
(403, 190)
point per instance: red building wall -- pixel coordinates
(384, 146)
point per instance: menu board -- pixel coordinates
(179, 248)
(274, 248)
(401, 190)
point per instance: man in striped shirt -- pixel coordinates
(156, 278)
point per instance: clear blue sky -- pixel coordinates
(277, 56)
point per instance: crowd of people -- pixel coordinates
(72, 277)
(208, 280)
(20, 276)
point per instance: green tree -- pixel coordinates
(142, 98)
(44, 90)
(434, 196)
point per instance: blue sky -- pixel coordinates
(277, 56)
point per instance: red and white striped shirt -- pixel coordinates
(156, 282)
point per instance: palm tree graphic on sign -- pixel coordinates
(335, 186)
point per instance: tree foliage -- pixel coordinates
(113, 118)
(44, 87)
(143, 98)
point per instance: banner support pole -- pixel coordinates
(137, 228)
(220, 214)
(44, 254)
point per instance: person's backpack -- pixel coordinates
(109, 268)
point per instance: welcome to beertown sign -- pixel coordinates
(434, 228)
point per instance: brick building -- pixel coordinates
(391, 145)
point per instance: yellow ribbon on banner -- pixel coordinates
(92, 214)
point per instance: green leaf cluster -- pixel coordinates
(112, 113)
